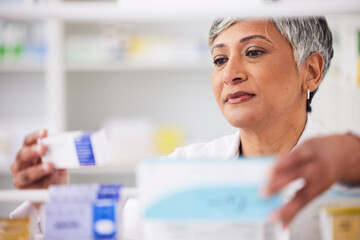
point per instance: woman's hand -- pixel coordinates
(320, 162)
(29, 171)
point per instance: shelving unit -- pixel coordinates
(120, 67)
(55, 13)
(75, 92)
(135, 11)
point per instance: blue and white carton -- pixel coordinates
(78, 149)
(193, 199)
(84, 211)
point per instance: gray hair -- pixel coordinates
(306, 35)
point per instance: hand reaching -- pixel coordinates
(29, 172)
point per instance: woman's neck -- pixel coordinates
(274, 137)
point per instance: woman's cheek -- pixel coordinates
(217, 88)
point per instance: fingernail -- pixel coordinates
(46, 167)
(264, 192)
(41, 132)
(39, 149)
(270, 172)
(284, 226)
(273, 217)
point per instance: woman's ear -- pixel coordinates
(314, 67)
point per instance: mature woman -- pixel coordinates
(266, 73)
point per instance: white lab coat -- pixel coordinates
(224, 147)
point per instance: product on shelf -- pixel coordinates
(339, 223)
(309, 218)
(4, 149)
(77, 149)
(87, 211)
(114, 43)
(131, 139)
(21, 42)
(168, 138)
(358, 63)
(191, 199)
(14, 229)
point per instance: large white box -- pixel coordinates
(192, 199)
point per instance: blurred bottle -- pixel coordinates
(21, 42)
(15, 228)
(11, 42)
(358, 61)
(168, 138)
(131, 139)
(4, 149)
(113, 41)
(35, 46)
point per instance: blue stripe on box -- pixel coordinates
(84, 150)
(109, 191)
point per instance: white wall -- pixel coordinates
(183, 98)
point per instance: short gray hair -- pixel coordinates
(306, 35)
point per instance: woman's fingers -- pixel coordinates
(29, 176)
(301, 198)
(45, 181)
(315, 184)
(293, 160)
(320, 162)
(27, 156)
(279, 181)
(33, 137)
(29, 171)
(289, 168)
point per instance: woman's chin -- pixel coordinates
(241, 120)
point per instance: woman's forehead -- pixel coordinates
(248, 27)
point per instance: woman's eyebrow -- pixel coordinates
(254, 36)
(221, 45)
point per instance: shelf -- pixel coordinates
(22, 68)
(170, 10)
(102, 171)
(23, 195)
(116, 67)
(89, 171)
(43, 195)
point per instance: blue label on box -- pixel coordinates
(84, 150)
(235, 203)
(104, 220)
(109, 191)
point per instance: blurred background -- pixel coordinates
(141, 68)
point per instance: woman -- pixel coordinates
(266, 73)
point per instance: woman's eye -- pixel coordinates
(220, 61)
(254, 53)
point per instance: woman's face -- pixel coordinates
(255, 76)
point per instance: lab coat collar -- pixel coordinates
(312, 129)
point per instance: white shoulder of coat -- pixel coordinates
(312, 129)
(223, 147)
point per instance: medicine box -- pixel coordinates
(195, 199)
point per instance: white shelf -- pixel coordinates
(115, 67)
(23, 195)
(179, 10)
(89, 171)
(43, 195)
(102, 171)
(22, 68)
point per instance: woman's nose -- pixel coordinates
(234, 72)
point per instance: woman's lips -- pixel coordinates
(239, 97)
